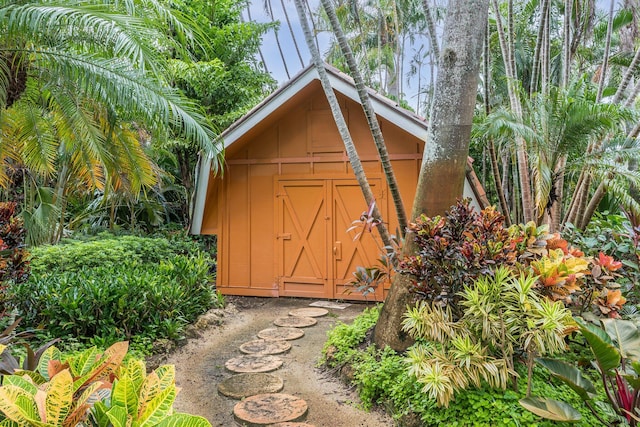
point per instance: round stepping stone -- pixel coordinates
(295, 322)
(309, 312)
(291, 425)
(253, 363)
(265, 346)
(249, 384)
(265, 409)
(280, 334)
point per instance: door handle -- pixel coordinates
(284, 236)
(337, 250)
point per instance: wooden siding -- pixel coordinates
(269, 246)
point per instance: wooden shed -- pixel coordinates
(287, 196)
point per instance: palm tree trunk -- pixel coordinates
(626, 78)
(445, 156)
(431, 28)
(556, 207)
(293, 36)
(632, 97)
(591, 207)
(566, 51)
(372, 120)
(516, 107)
(607, 47)
(492, 148)
(546, 57)
(275, 32)
(350, 147)
(538, 49)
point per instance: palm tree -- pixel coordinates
(79, 82)
(558, 127)
(369, 113)
(341, 124)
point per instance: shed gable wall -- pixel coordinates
(302, 142)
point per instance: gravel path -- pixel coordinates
(200, 366)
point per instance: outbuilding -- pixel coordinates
(287, 196)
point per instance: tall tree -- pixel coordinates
(77, 76)
(370, 115)
(444, 160)
(341, 123)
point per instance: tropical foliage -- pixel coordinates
(455, 250)
(103, 291)
(616, 351)
(92, 388)
(503, 316)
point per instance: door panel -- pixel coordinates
(302, 238)
(316, 253)
(356, 248)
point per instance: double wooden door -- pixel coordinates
(316, 255)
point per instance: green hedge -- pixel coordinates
(105, 304)
(109, 252)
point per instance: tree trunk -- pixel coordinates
(516, 107)
(556, 207)
(495, 170)
(533, 85)
(566, 51)
(626, 78)
(372, 120)
(605, 60)
(444, 159)
(432, 30)
(350, 148)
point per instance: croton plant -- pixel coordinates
(455, 249)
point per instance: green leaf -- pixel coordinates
(184, 420)
(157, 408)
(607, 356)
(570, 375)
(59, 397)
(124, 394)
(626, 335)
(551, 409)
(117, 416)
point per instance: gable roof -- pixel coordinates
(340, 82)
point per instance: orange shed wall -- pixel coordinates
(304, 142)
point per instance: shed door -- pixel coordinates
(316, 255)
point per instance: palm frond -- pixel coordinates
(131, 93)
(46, 23)
(35, 134)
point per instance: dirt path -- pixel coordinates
(200, 366)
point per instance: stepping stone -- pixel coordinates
(265, 347)
(265, 409)
(281, 334)
(253, 363)
(309, 312)
(330, 304)
(249, 384)
(291, 425)
(295, 322)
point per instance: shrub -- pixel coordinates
(14, 265)
(454, 250)
(93, 389)
(503, 316)
(382, 377)
(114, 302)
(617, 236)
(75, 255)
